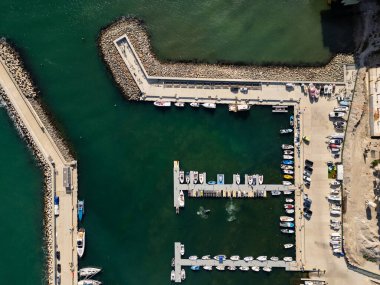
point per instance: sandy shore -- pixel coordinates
(137, 34)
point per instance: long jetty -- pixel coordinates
(63, 184)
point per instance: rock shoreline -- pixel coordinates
(139, 37)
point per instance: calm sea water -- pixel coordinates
(126, 150)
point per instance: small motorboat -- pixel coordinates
(220, 268)
(181, 199)
(187, 177)
(274, 258)
(231, 268)
(181, 176)
(288, 206)
(287, 183)
(287, 176)
(194, 104)
(288, 245)
(287, 231)
(289, 200)
(288, 151)
(89, 282)
(262, 258)
(286, 219)
(201, 178)
(288, 171)
(81, 241)
(211, 182)
(288, 192)
(195, 268)
(209, 105)
(183, 274)
(248, 258)
(220, 178)
(287, 146)
(162, 103)
(182, 250)
(261, 179)
(208, 268)
(275, 192)
(291, 120)
(288, 259)
(250, 179)
(288, 162)
(237, 178)
(220, 257)
(286, 131)
(255, 268)
(172, 275)
(244, 268)
(284, 166)
(89, 271)
(287, 156)
(80, 210)
(335, 183)
(235, 257)
(267, 269)
(195, 177)
(336, 114)
(179, 104)
(206, 257)
(289, 211)
(193, 257)
(287, 225)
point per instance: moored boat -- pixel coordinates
(287, 231)
(211, 182)
(261, 179)
(250, 179)
(286, 219)
(162, 103)
(288, 206)
(287, 224)
(206, 257)
(291, 120)
(209, 105)
(287, 162)
(80, 210)
(179, 104)
(195, 268)
(220, 268)
(183, 274)
(267, 269)
(187, 177)
(262, 258)
(275, 193)
(243, 107)
(235, 257)
(287, 176)
(274, 258)
(288, 245)
(248, 258)
(172, 275)
(244, 268)
(255, 268)
(288, 171)
(288, 259)
(89, 282)
(193, 257)
(181, 176)
(288, 151)
(194, 104)
(208, 268)
(287, 156)
(286, 131)
(237, 178)
(289, 200)
(195, 177)
(81, 241)
(284, 166)
(182, 250)
(88, 271)
(220, 257)
(286, 183)
(201, 178)
(289, 211)
(231, 268)
(287, 146)
(181, 199)
(288, 192)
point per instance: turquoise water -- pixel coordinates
(126, 150)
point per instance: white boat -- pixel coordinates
(335, 212)
(208, 268)
(274, 258)
(287, 146)
(255, 268)
(287, 171)
(275, 193)
(288, 245)
(287, 156)
(267, 269)
(195, 177)
(335, 242)
(341, 109)
(89, 282)
(194, 104)
(235, 257)
(337, 136)
(243, 107)
(209, 105)
(333, 198)
(262, 258)
(220, 256)
(289, 211)
(261, 179)
(288, 151)
(288, 259)
(182, 251)
(162, 103)
(181, 199)
(335, 183)
(81, 241)
(284, 166)
(244, 268)
(193, 257)
(288, 192)
(201, 178)
(220, 268)
(250, 179)
(206, 257)
(336, 114)
(179, 104)
(289, 200)
(237, 178)
(248, 258)
(181, 176)
(286, 219)
(231, 268)
(334, 191)
(187, 177)
(183, 274)
(88, 271)
(286, 183)
(335, 141)
(286, 131)
(172, 275)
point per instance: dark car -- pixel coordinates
(58, 254)
(59, 268)
(307, 203)
(234, 89)
(309, 162)
(308, 169)
(307, 213)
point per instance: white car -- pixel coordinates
(307, 179)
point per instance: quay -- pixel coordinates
(234, 190)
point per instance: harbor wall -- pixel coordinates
(139, 38)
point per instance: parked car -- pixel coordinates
(307, 179)
(309, 169)
(336, 114)
(309, 162)
(58, 254)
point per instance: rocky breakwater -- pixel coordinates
(139, 37)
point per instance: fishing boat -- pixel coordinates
(250, 179)
(335, 183)
(195, 268)
(288, 151)
(255, 268)
(208, 268)
(162, 103)
(288, 206)
(289, 200)
(81, 241)
(287, 176)
(194, 104)
(288, 192)
(182, 250)
(172, 275)
(286, 131)
(195, 177)
(262, 258)
(288, 259)
(206, 257)
(183, 274)
(288, 171)
(211, 182)
(89, 282)
(220, 268)
(288, 245)
(287, 231)
(80, 210)
(181, 199)
(288, 162)
(235, 257)
(181, 176)
(291, 120)
(267, 269)
(287, 156)
(287, 225)
(244, 268)
(231, 268)
(248, 258)
(209, 105)
(274, 258)
(286, 219)
(284, 166)
(289, 211)
(201, 178)
(261, 179)
(193, 257)
(287, 146)
(179, 104)
(275, 193)
(237, 178)
(286, 183)
(88, 271)
(187, 177)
